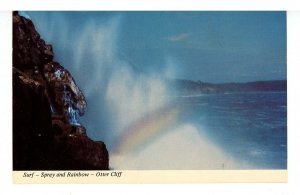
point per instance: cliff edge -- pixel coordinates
(46, 106)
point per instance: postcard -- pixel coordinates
(149, 96)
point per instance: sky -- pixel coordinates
(208, 46)
(213, 47)
(120, 61)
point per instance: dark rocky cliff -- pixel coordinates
(190, 87)
(46, 106)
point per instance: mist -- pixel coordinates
(116, 92)
(124, 104)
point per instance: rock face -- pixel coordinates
(46, 106)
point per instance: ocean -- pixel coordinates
(250, 126)
(124, 104)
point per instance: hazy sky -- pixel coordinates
(207, 46)
(131, 111)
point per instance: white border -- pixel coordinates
(5, 97)
(293, 100)
(149, 5)
(293, 61)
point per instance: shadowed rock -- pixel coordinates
(46, 106)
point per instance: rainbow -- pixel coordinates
(146, 128)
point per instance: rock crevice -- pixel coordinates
(46, 105)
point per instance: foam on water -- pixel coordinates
(119, 96)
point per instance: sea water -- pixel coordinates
(250, 126)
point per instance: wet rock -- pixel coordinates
(68, 100)
(29, 49)
(46, 106)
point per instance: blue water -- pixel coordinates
(251, 127)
